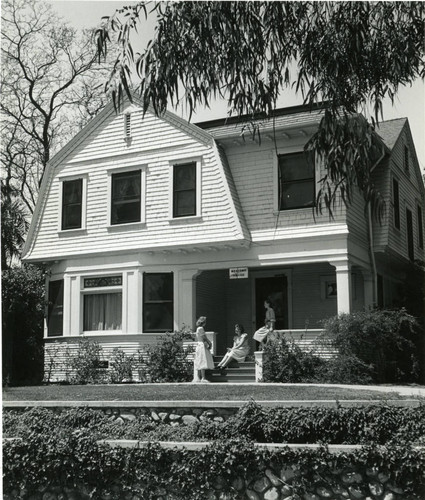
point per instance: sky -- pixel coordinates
(409, 103)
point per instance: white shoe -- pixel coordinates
(205, 381)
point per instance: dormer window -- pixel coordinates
(72, 214)
(126, 197)
(185, 189)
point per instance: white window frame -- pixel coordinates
(182, 161)
(120, 170)
(62, 179)
(97, 291)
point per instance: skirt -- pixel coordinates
(261, 334)
(203, 359)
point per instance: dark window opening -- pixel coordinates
(410, 241)
(420, 228)
(296, 181)
(396, 204)
(72, 203)
(158, 302)
(55, 309)
(126, 197)
(184, 190)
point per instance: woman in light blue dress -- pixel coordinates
(203, 359)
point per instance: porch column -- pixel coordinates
(343, 286)
(185, 302)
(369, 295)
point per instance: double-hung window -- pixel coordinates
(72, 204)
(420, 227)
(296, 181)
(184, 189)
(55, 308)
(396, 204)
(158, 302)
(102, 303)
(126, 197)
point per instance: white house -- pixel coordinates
(147, 222)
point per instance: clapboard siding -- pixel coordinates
(59, 354)
(308, 307)
(254, 174)
(409, 194)
(220, 217)
(381, 179)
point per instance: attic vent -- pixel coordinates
(127, 126)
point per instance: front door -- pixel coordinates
(275, 289)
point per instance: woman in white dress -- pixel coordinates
(203, 359)
(261, 334)
(240, 348)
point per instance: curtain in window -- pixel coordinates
(103, 311)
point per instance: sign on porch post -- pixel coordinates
(236, 273)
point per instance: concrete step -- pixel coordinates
(234, 373)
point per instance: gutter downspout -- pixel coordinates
(371, 244)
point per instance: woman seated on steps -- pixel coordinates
(240, 348)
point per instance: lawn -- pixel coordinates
(193, 392)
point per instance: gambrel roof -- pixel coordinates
(157, 141)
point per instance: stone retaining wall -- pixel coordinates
(270, 483)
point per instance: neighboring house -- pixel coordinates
(145, 223)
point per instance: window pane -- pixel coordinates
(72, 217)
(185, 176)
(185, 203)
(158, 317)
(297, 195)
(126, 199)
(72, 197)
(55, 309)
(103, 311)
(158, 286)
(295, 166)
(72, 191)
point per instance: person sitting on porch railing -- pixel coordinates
(240, 348)
(261, 334)
(203, 359)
